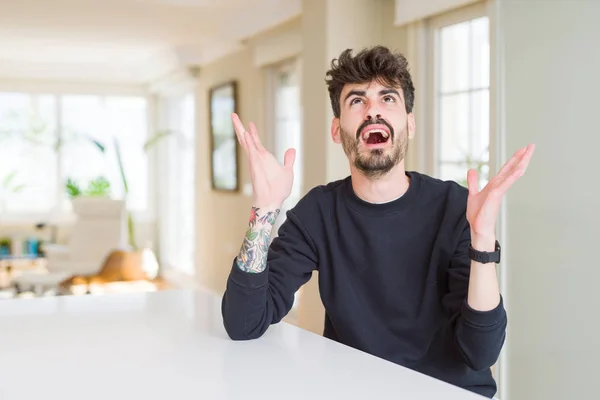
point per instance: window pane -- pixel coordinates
(187, 186)
(458, 173)
(453, 172)
(480, 61)
(480, 125)
(27, 156)
(87, 118)
(177, 216)
(287, 122)
(454, 47)
(126, 120)
(454, 127)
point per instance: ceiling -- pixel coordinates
(126, 41)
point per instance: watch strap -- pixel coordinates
(485, 257)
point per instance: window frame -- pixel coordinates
(423, 47)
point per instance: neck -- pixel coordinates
(382, 189)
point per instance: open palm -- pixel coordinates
(271, 181)
(483, 206)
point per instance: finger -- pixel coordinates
(510, 164)
(518, 171)
(289, 158)
(473, 181)
(255, 137)
(239, 130)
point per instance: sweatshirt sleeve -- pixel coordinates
(479, 335)
(254, 301)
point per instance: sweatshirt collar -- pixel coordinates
(389, 207)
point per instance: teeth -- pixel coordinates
(368, 133)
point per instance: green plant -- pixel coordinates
(5, 242)
(73, 189)
(8, 184)
(98, 187)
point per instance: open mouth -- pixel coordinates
(375, 136)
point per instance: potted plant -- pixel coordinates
(94, 199)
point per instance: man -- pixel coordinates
(407, 263)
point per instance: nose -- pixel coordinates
(373, 112)
(370, 116)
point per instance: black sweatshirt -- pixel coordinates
(393, 279)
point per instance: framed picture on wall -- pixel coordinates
(223, 141)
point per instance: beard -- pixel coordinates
(377, 162)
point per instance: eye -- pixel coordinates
(389, 99)
(355, 100)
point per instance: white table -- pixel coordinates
(172, 345)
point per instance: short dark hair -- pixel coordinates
(376, 63)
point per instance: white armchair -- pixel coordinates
(100, 227)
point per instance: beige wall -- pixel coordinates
(222, 217)
(553, 215)
(326, 28)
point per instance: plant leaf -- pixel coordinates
(8, 178)
(155, 139)
(96, 143)
(18, 188)
(131, 231)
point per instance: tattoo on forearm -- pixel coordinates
(253, 254)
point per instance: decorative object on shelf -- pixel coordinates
(31, 247)
(223, 142)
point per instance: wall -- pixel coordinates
(551, 64)
(222, 218)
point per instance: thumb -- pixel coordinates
(289, 158)
(473, 181)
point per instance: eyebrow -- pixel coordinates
(364, 93)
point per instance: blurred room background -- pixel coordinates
(119, 170)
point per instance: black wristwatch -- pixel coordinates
(485, 257)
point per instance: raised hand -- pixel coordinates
(483, 206)
(271, 181)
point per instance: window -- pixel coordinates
(47, 138)
(286, 124)
(462, 92)
(28, 162)
(178, 177)
(287, 121)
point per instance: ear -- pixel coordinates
(411, 125)
(335, 130)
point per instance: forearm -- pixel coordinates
(252, 257)
(481, 330)
(484, 290)
(258, 295)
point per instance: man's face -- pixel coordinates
(373, 127)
